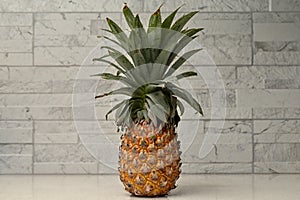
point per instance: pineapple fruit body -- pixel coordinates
(149, 162)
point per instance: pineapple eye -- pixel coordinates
(143, 143)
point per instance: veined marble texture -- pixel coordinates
(254, 44)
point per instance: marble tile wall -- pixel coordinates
(254, 43)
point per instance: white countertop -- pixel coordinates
(98, 187)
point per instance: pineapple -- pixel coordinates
(149, 155)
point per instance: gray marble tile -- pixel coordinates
(65, 168)
(277, 167)
(225, 38)
(268, 98)
(15, 164)
(67, 6)
(15, 159)
(67, 138)
(276, 113)
(74, 153)
(219, 77)
(16, 59)
(16, 132)
(16, 39)
(276, 17)
(276, 138)
(268, 113)
(276, 38)
(287, 5)
(44, 73)
(16, 19)
(104, 169)
(230, 113)
(277, 126)
(25, 87)
(36, 100)
(275, 152)
(207, 96)
(282, 84)
(215, 6)
(4, 73)
(67, 38)
(54, 87)
(16, 149)
(279, 58)
(208, 168)
(54, 127)
(60, 55)
(232, 127)
(233, 145)
(37, 113)
(66, 29)
(237, 153)
(268, 72)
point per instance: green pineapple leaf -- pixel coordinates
(168, 21)
(186, 74)
(180, 106)
(129, 17)
(180, 61)
(125, 91)
(111, 63)
(185, 95)
(182, 21)
(116, 107)
(155, 20)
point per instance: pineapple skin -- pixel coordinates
(149, 159)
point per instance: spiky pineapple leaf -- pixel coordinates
(186, 74)
(191, 32)
(117, 43)
(180, 106)
(182, 21)
(137, 22)
(178, 47)
(116, 107)
(157, 110)
(154, 21)
(128, 16)
(180, 61)
(122, 79)
(169, 19)
(160, 99)
(185, 95)
(117, 31)
(123, 116)
(183, 42)
(111, 63)
(121, 60)
(124, 90)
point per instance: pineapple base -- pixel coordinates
(149, 160)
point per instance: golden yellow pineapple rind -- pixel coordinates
(149, 163)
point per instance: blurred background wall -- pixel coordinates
(254, 43)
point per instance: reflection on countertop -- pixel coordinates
(98, 187)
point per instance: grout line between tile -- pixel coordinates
(33, 144)
(92, 12)
(33, 37)
(253, 144)
(252, 40)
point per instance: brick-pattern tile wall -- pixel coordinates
(254, 43)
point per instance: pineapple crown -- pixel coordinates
(147, 68)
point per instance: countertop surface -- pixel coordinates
(98, 187)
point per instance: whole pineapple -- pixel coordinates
(149, 156)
